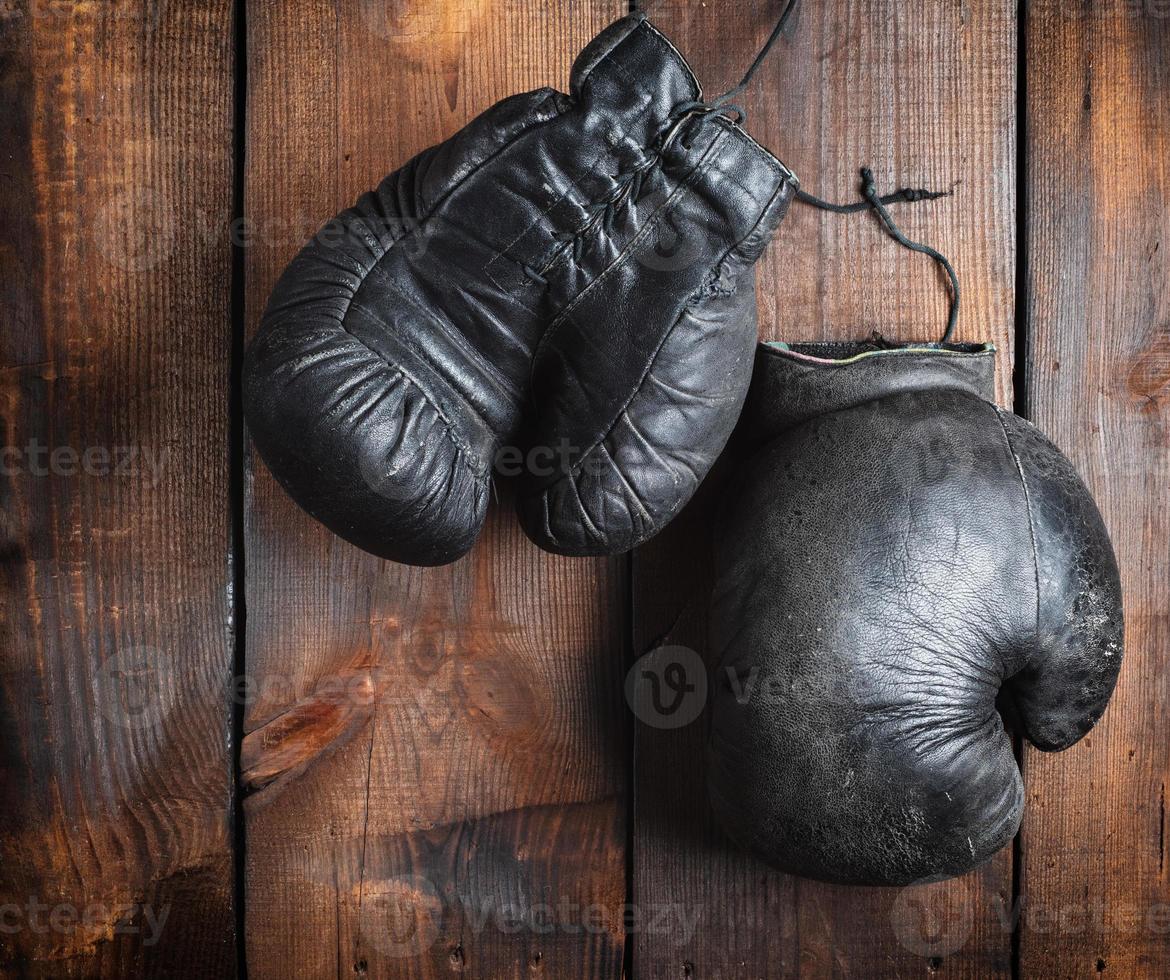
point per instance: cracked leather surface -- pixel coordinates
(571, 274)
(895, 556)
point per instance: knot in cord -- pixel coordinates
(874, 201)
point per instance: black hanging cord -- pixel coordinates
(872, 200)
(877, 203)
(904, 195)
(744, 82)
(723, 102)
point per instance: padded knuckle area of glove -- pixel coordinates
(1080, 623)
(378, 419)
(883, 572)
(633, 477)
(377, 463)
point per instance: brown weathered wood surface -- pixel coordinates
(439, 775)
(460, 809)
(115, 338)
(1095, 891)
(924, 94)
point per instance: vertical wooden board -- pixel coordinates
(436, 758)
(1094, 889)
(925, 95)
(115, 647)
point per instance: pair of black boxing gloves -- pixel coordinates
(900, 563)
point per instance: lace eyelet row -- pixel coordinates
(629, 189)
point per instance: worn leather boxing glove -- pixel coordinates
(569, 276)
(897, 557)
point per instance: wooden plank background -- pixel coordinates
(1093, 844)
(438, 775)
(115, 647)
(856, 83)
(483, 777)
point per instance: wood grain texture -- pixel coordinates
(436, 761)
(924, 95)
(463, 812)
(1094, 885)
(115, 648)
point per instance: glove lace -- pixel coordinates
(630, 183)
(873, 201)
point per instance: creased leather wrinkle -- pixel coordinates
(510, 287)
(896, 553)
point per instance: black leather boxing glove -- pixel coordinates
(895, 556)
(570, 275)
